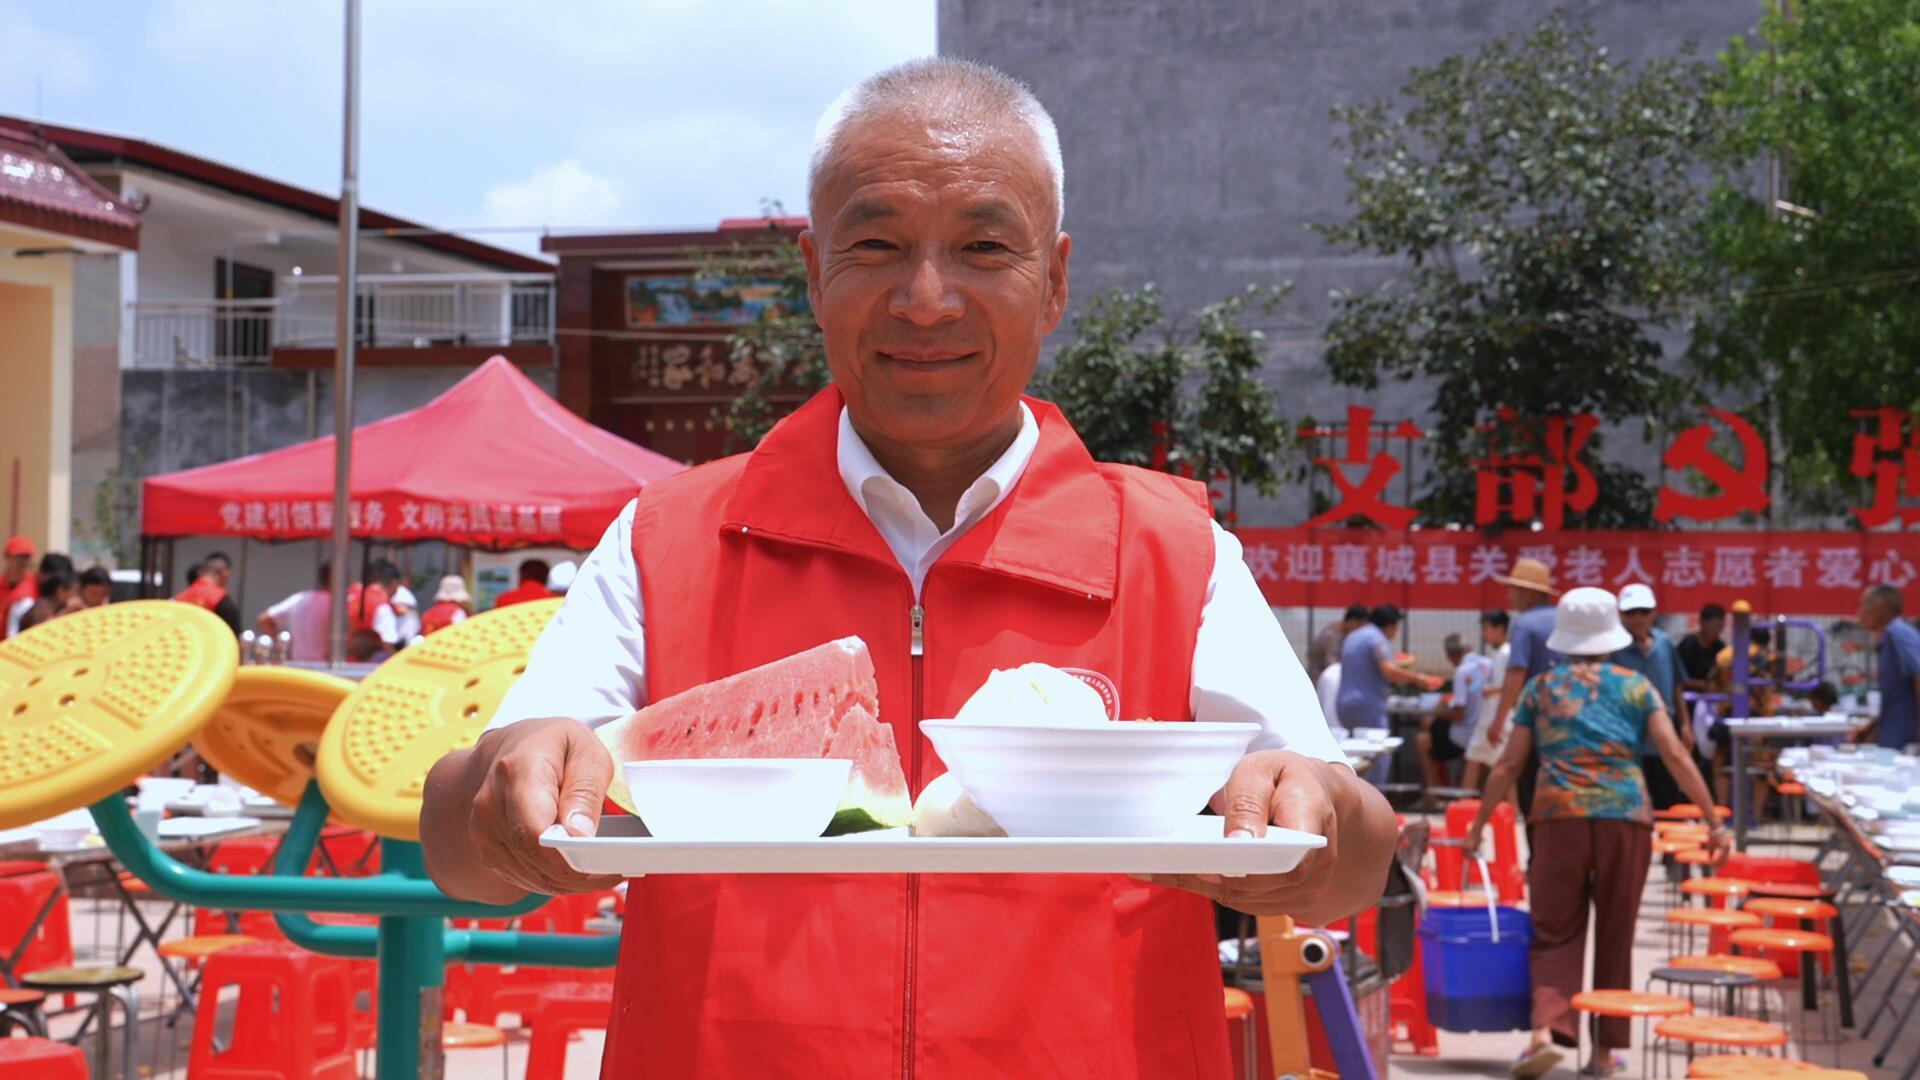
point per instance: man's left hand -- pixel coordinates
(1280, 787)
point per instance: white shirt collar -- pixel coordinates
(897, 514)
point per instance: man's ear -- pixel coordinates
(810, 254)
(1057, 281)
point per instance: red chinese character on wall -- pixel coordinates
(1895, 470)
(1544, 479)
(1741, 490)
(1366, 498)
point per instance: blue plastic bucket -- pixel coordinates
(1473, 982)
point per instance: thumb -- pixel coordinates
(584, 776)
(1247, 799)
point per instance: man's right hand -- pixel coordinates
(485, 808)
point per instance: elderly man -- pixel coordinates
(921, 503)
(1530, 593)
(1652, 653)
(1446, 738)
(1898, 661)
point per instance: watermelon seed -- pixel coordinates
(475, 681)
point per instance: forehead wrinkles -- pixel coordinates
(922, 156)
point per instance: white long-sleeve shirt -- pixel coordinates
(590, 663)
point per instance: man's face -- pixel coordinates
(17, 567)
(1639, 622)
(1874, 615)
(935, 269)
(219, 571)
(1520, 599)
(1493, 636)
(93, 595)
(1710, 628)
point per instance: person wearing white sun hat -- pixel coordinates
(1592, 821)
(1652, 653)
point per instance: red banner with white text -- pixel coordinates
(1808, 573)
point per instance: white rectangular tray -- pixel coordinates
(1197, 847)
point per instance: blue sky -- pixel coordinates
(573, 113)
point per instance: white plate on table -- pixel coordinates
(196, 828)
(1198, 846)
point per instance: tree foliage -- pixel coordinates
(1541, 198)
(1817, 305)
(783, 343)
(1143, 391)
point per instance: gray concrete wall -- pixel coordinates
(173, 420)
(1198, 140)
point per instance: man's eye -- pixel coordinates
(989, 247)
(873, 244)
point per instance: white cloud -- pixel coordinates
(564, 194)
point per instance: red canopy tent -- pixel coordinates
(492, 463)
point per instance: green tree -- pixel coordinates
(1540, 196)
(1818, 309)
(1142, 391)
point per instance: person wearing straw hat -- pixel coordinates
(1592, 821)
(1530, 593)
(451, 604)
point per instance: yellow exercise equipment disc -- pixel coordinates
(427, 701)
(267, 733)
(91, 700)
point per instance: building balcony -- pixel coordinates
(399, 320)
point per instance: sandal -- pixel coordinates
(1616, 1065)
(1536, 1061)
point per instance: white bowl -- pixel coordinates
(1115, 779)
(738, 798)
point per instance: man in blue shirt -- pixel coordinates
(1653, 654)
(1899, 663)
(1531, 594)
(1367, 667)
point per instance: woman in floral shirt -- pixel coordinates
(1592, 823)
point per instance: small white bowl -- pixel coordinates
(738, 798)
(1113, 779)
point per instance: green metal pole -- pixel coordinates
(413, 974)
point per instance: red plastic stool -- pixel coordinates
(41, 1059)
(245, 856)
(560, 1010)
(23, 895)
(306, 1034)
(1509, 880)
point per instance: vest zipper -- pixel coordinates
(918, 616)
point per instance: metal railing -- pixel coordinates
(392, 310)
(202, 333)
(421, 310)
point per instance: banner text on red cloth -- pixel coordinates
(1778, 572)
(1547, 473)
(398, 519)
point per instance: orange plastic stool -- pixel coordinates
(564, 1008)
(1776, 944)
(1239, 1006)
(306, 1032)
(1759, 968)
(1689, 812)
(1628, 1004)
(21, 1009)
(1694, 855)
(1685, 1033)
(1743, 1065)
(34, 1058)
(1717, 921)
(1717, 890)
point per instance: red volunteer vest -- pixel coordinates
(440, 616)
(940, 977)
(204, 592)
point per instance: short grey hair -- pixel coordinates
(1887, 595)
(1455, 645)
(943, 83)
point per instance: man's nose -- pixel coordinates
(927, 297)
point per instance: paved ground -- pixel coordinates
(1461, 1055)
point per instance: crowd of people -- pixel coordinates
(36, 593)
(383, 613)
(1583, 710)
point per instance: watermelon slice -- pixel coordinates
(821, 703)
